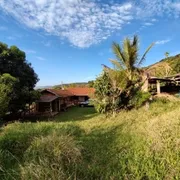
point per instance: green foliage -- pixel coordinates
(166, 54)
(165, 67)
(127, 57)
(140, 98)
(91, 84)
(7, 83)
(13, 61)
(135, 144)
(52, 157)
(106, 96)
(71, 85)
(124, 81)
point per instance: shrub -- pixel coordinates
(52, 157)
(140, 98)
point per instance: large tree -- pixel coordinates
(125, 78)
(127, 57)
(13, 61)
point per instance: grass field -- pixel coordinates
(81, 144)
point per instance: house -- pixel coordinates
(56, 100)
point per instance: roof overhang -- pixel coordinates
(47, 99)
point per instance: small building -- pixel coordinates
(55, 100)
(170, 84)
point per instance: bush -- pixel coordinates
(52, 157)
(139, 99)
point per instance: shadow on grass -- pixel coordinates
(100, 154)
(76, 114)
(72, 114)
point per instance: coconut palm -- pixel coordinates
(166, 54)
(127, 57)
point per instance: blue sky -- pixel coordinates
(68, 40)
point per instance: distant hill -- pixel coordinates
(165, 67)
(67, 85)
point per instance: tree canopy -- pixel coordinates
(13, 61)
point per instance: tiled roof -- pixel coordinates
(60, 92)
(81, 91)
(77, 91)
(46, 98)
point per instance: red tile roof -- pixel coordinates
(60, 92)
(77, 91)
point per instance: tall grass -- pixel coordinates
(137, 144)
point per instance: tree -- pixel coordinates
(7, 83)
(90, 84)
(13, 61)
(127, 57)
(166, 54)
(103, 92)
(124, 82)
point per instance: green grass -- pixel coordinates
(81, 144)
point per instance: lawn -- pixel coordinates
(76, 114)
(81, 144)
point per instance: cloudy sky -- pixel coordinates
(68, 40)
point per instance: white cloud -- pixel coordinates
(176, 6)
(161, 42)
(82, 22)
(86, 22)
(152, 8)
(40, 58)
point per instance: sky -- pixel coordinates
(67, 41)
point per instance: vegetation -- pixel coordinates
(135, 144)
(72, 85)
(81, 143)
(13, 61)
(165, 67)
(6, 88)
(118, 88)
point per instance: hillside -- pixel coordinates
(81, 144)
(165, 67)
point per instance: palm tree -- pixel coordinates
(127, 57)
(166, 54)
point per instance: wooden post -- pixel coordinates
(158, 87)
(51, 107)
(59, 105)
(145, 86)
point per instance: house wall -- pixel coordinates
(43, 107)
(79, 99)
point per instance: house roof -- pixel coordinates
(60, 92)
(81, 91)
(172, 78)
(46, 98)
(78, 91)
